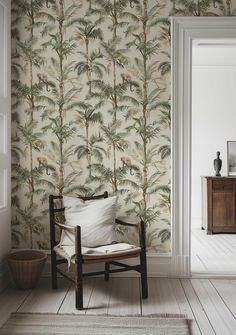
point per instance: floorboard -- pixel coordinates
(99, 300)
(184, 306)
(197, 308)
(161, 299)
(45, 300)
(227, 291)
(209, 305)
(68, 306)
(124, 297)
(10, 301)
(213, 254)
(217, 312)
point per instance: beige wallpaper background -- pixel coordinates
(91, 108)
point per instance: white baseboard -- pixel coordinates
(180, 267)
(196, 223)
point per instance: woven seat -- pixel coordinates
(79, 255)
(133, 252)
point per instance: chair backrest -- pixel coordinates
(55, 210)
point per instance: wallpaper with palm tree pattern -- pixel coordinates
(91, 108)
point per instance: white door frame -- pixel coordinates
(5, 135)
(184, 31)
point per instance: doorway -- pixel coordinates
(213, 125)
(184, 31)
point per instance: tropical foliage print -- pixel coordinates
(91, 108)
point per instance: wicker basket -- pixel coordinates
(26, 267)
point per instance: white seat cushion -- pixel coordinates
(95, 217)
(68, 252)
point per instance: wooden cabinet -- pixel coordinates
(219, 204)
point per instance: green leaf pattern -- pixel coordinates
(91, 108)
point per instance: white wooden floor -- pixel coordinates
(213, 254)
(209, 304)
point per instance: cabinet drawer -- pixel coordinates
(223, 184)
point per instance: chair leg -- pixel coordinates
(107, 273)
(79, 270)
(54, 270)
(144, 281)
(79, 291)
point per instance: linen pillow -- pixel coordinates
(95, 217)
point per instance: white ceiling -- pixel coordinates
(214, 52)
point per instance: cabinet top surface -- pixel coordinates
(220, 177)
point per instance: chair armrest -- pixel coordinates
(125, 222)
(78, 248)
(66, 227)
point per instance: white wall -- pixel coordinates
(213, 114)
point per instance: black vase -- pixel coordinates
(217, 164)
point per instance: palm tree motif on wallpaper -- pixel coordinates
(197, 8)
(146, 99)
(91, 65)
(29, 93)
(116, 141)
(113, 10)
(90, 4)
(64, 95)
(16, 234)
(165, 117)
(116, 105)
(87, 31)
(164, 150)
(165, 66)
(115, 56)
(114, 138)
(86, 117)
(173, 7)
(114, 92)
(226, 8)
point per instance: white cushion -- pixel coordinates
(108, 249)
(95, 217)
(117, 249)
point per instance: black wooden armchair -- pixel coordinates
(80, 259)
